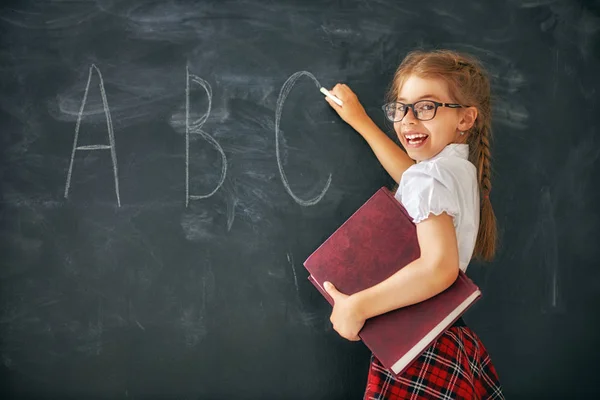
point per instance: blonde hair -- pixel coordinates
(468, 84)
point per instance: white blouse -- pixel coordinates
(446, 182)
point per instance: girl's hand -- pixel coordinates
(345, 317)
(352, 111)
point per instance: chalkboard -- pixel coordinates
(167, 166)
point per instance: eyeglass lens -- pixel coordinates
(423, 110)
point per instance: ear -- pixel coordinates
(467, 119)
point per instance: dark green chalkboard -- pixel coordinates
(159, 254)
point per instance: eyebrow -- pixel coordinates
(425, 96)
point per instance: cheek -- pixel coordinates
(437, 127)
(398, 128)
(430, 127)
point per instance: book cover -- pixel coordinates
(373, 244)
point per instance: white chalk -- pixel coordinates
(332, 97)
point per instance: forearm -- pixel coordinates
(416, 282)
(391, 156)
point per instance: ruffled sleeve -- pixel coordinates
(427, 189)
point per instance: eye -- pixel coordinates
(426, 106)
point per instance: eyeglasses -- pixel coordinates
(423, 110)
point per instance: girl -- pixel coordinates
(439, 104)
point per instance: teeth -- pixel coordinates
(416, 136)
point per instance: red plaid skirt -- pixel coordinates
(456, 366)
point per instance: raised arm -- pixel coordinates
(391, 156)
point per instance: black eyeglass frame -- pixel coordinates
(412, 106)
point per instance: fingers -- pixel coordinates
(332, 103)
(345, 335)
(331, 290)
(342, 91)
(338, 90)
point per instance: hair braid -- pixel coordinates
(484, 162)
(486, 237)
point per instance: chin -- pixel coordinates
(417, 155)
(418, 152)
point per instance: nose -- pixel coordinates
(410, 116)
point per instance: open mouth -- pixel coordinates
(416, 139)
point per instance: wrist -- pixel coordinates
(366, 127)
(361, 305)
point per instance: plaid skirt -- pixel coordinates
(456, 366)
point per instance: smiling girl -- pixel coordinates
(439, 103)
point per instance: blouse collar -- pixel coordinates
(460, 150)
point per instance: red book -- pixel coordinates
(374, 243)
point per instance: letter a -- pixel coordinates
(111, 136)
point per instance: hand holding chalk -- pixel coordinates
(332, 97)
(349, 109)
